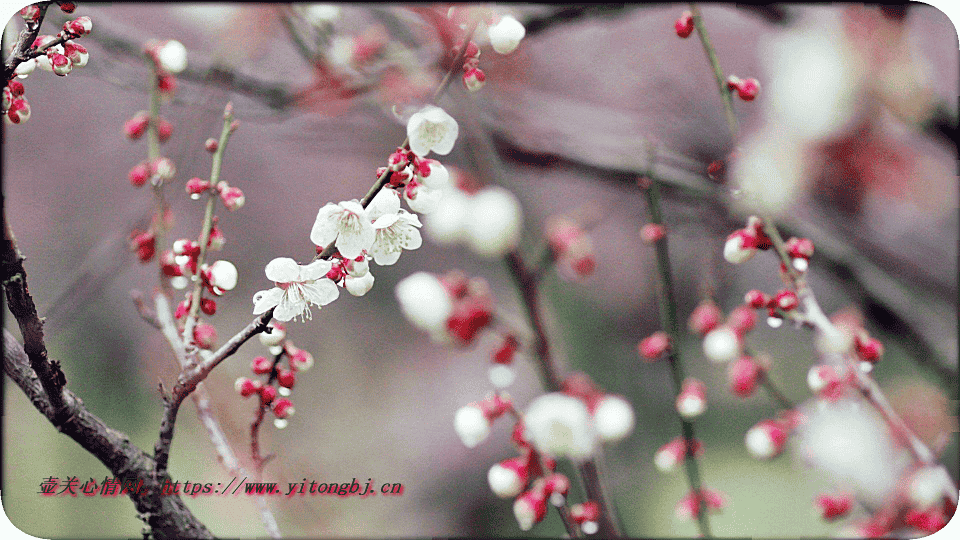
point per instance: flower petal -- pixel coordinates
(321, 292)
(283, 270)
(387, 220)
(288, 309)
(325, 228)
(315, 270)
(356, 235)
(266, 299)
(425, 200)
(386, 202)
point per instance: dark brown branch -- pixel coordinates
(168, 515)
(25, 41)
(31, 326)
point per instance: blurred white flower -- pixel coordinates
(721, 345)
(297, 287)
(561, 426)
(358, 286)
(432, 129)
(495, 222)
(505, 36)
(348, 223)
(471, 425)
(223, 275)
(848, 441)
(424, 301)
(172, 56)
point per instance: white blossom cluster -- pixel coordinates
(380, 231)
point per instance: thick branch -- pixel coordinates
(24, 42)
(168, 515)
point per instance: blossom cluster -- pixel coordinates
(280, 380)
(359, 233)
(571, 423)
(504, 33)
(55, 53)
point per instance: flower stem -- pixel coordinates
(671, 325)
(207, 225)
(717, 71)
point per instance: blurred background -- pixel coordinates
(848, 144)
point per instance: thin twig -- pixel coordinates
(717, 71)
(670, 324)
(25, 41)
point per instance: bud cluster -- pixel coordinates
(746, 89)
(743, 244)
(571, 247)
(276, 381)
(58, 54)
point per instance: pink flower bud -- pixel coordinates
(652, 232)
(76, 53)
(67, 7)
(799, 247)
(928, 521)
(740, 247)
(60, 63)
(182, 309)
(766, 439)
(301, 360)
(138, 174)
(868, 349)
(474, 79)
(398, 160)
(586, 514)
(704, 318)
(825, 382)
(208, 306)
(196, 186)
(748, 89)
(286, 378)
(205, 335)
(654, 345)
(505, 353)
(164, 129)
(16, 88)
(716, 169)
(833, 507)
(509, 477)
(283, 408)
(135, 127)
(473, 51)
(786, 300)
(468, 318)
(169, 264)
(742, 319)
(743, 376)
(211, 145)
(217, 239)
(690, 505)
(261, 365)
(529, 508)
(163, 168)
(556, 484)
(267, 394)
(247, 387)
(79, 26)
(692, 399)
(144, 244)
(30, 13)
(756, 299)
(733, 82)
(684, 25)
(232, 197)
(166, 84)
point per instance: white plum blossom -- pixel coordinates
(438, 178)
(495, 222)
(395, 229)
(561, 426)
(223, 275)
(172, 56)
(358, 286)
(505, 36)
(722, 345)
(348, 224)
(613, 418)
(471, 425)
(432, 129)
(394, 233)
(424, 301)
(448, 224)
(423, 199)
(297, 287)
